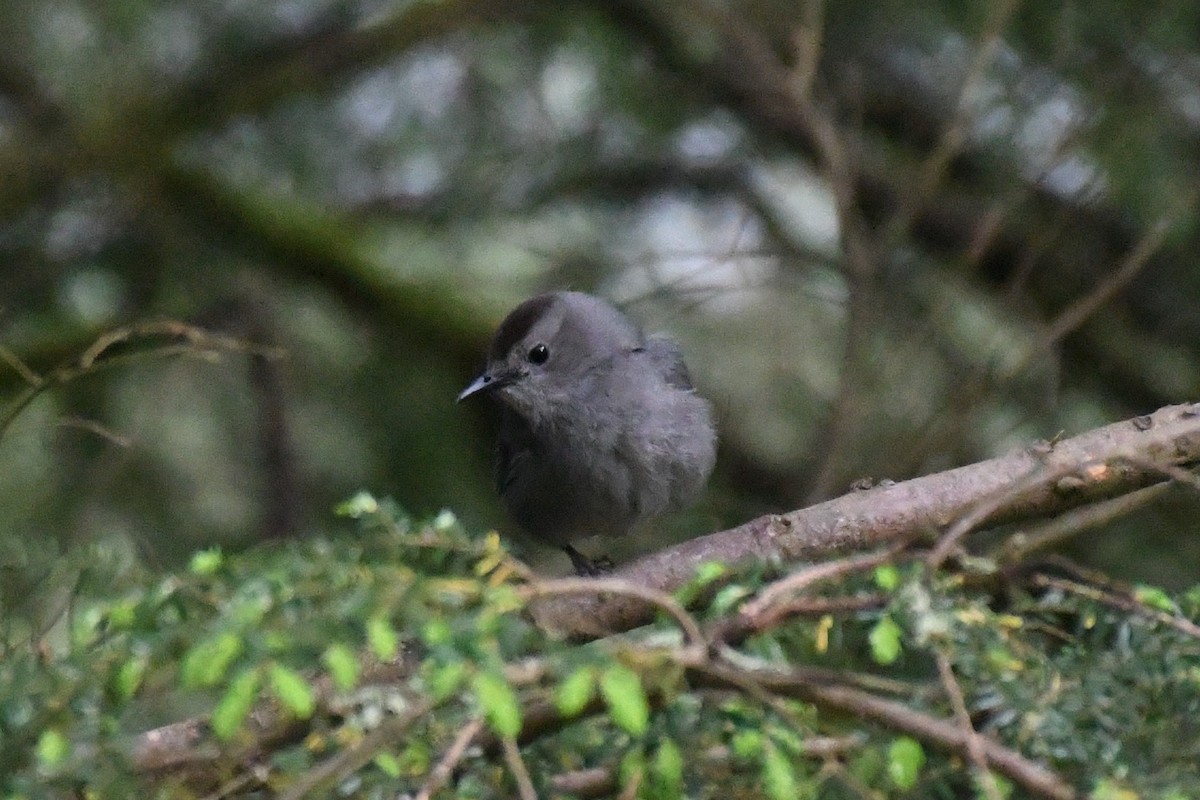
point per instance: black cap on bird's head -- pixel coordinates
(554, 334)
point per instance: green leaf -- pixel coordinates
(887, 577)
(706, 573)
(234, 706)
(361, 505)
(122, 614)
(667, 769)
(388, 763)
(445, 521)
(1112, 789)
(792, 741)
(627, 704)
(251, 603)
(382, 638)
(632, 767)
(728, 597)
(436, 631)
(342, 666)
(293, 691)
(747, 743)
(1006, 788)
(905, 759)
(52, 748)
(709, 571)
(209, 659)
(445, 679)
(206, 562)
(1155, 597)
(885, 640)
(499, 703)
(779, 779)
(128, 678)
(575, 691)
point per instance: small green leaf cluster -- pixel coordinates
(380, 649)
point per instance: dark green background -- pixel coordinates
(370, 186)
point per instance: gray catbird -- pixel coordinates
(601, 429)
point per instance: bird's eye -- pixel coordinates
(538, 353)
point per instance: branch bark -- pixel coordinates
(1032, 483)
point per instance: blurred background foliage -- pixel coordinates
(893, 237)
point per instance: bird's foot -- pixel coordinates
(588, 567)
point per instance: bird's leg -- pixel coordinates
(587, 567)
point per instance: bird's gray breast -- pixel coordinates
(625, 444)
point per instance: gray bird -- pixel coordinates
(601, 430)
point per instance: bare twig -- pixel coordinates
(954, 134)
(988, 506)
(619, 587)
(776, 601)
(800, 580)
(516, 766)
(235, 785)
(975, 742)
(806, 41)
(19, 366)
(1076, 314)
(584, 783)
(92, 426)
(1177, 474)
(1121, 602)
(445, 767)
(1033, 777)
(1018, 547)
(197, 342)
(324, 776)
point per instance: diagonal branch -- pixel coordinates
(947, 735)
(1103, 463)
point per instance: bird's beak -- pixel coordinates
(483, 383)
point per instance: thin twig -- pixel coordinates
(988, 506)
(199, 342)
(1070, 524)
(235, 785)
(802, 579)
(450, 759)
(583, 783)
(1175, 473)
(516, 766)
(322, 777)
(1033, 777)
(92, 426)
(1138, 257)
(618, 586)
(19, 366)
(1042, 477)
(975, 742)
(774, 603)
(819, 606)
(1075, 315)
(630, 790)
(954, 134)
(1118, 601)
(806, 41)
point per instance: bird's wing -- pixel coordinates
(512, 449)
(667, 359)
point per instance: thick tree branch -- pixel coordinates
(1029, 484)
